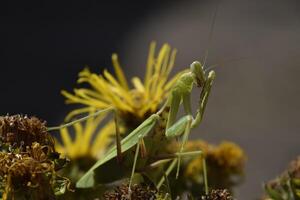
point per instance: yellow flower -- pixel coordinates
(144, 97)
(227, 157)
(88, 141)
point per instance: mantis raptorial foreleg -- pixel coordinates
(203, 99)
(182, 93)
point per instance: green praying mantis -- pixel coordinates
(144, 134)
(147, 140)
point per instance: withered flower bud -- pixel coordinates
(27, 173)
(137, 192)
(21, 131)
(219, 194)
(294, 168)
(28, 160)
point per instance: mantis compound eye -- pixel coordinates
(212, 75)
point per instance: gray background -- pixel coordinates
(255, 101)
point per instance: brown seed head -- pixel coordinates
(22, 131)
(219, 194)
(23, 168)
(137, 192)
(294, 168)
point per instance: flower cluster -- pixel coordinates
(140, 114)
(136, 192)
(21, 131)
(287, 185)
(227, 157)
(133, 104)
(225, 162)
(28, 160)
(137, 101)
(219, 194)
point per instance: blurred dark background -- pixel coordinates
(255, 101)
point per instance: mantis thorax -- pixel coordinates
(185, 83)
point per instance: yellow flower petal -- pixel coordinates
(150, 63)
(104, 138)
(67, 141)
(113, 91)
(119, 71)
(138, 84)
(109, 91)
(78, 112)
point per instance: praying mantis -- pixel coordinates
(144, 134)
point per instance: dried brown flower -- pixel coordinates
(29, 169)
(28, 160)
(286, 185)
(21, 131)
(137, 192)
(294, 168)
(219, 194)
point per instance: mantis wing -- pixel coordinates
(132, 139)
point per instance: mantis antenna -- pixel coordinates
(211, 67)
(212, 26)
(80, 120)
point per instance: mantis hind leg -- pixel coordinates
(134, 162)
(118, 139)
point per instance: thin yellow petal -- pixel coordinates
(82, 94)
(78, 137)
(165, 61)
(89, 130)
(67, 141)
(58, 147)
(84, 73)
(78, 112)
(117, 87)
(103, 138)
(162, 54)
(87, 101)
(111, 79)
(158, 66)
(138, 84)
(91, 93)
(172, 61)
(166, 71)
(119, 72)
(150, 63)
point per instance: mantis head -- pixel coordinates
(198, 72)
